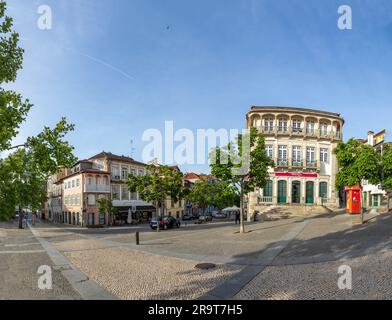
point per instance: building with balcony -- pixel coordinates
(373, 195)
(54, 205)
(120, 167)
(84, 185)
(301, 143)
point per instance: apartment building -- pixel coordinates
(54, 206)
(119, 168)
(84, 185)
(301, 143)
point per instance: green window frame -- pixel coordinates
(267, 192)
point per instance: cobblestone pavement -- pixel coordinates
(296, 258)
(371, 279)
(131, 274)
(20, 256)
(308, 267)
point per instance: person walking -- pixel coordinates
(237, 217)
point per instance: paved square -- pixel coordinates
(296, 258)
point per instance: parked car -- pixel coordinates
(205, 217)
(188, 217)
(219, 215)
(165, 223)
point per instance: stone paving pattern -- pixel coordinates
(18, 268)
(294, 258)
(135, 275)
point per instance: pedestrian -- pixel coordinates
(237, 217)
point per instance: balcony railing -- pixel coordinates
(310, 132)
(96, 188)
(263, 200)
(296, 163)
(268, 129)
(283, 129)
(324, 133)
(297, 131)
(311, 164)
(282, 163)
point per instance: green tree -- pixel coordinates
(243, 164)
(225, 196)
(357, 162)
(157, 185)
(202, 193)
(24, 171)
(105, 205)
(386, 163)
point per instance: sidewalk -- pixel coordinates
(20, 257)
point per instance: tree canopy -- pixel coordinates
(243, 164)
(158, 184)
(386, 162)
(23, 172)
(357, 162)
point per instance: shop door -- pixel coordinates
(309, 192)
(296, 192)
(282, 192)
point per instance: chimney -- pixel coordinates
(371, 138)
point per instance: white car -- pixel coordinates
(219, 215)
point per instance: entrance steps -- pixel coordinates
(278, 212)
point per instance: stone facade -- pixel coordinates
(301, 143)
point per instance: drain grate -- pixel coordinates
(205, 266)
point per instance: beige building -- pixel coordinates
(73, 193)
(84, 185)
(124, 201)
(301, 143)
(54, 205)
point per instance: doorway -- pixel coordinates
(310, 192)
(296, 192)
(282, 192)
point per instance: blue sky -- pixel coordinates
(118, 67)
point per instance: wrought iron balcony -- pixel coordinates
(282, 163)
(268, 129)
(283, 129)
(311, 132)
(296, 163)
(311, 164)
(324, 134)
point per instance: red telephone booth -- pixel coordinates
(353, 196)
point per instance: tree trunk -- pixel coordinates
(242, 226)
(20, 219)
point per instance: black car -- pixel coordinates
(165, 223)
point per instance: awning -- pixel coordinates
(138, 208)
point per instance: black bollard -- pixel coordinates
(137, 238)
